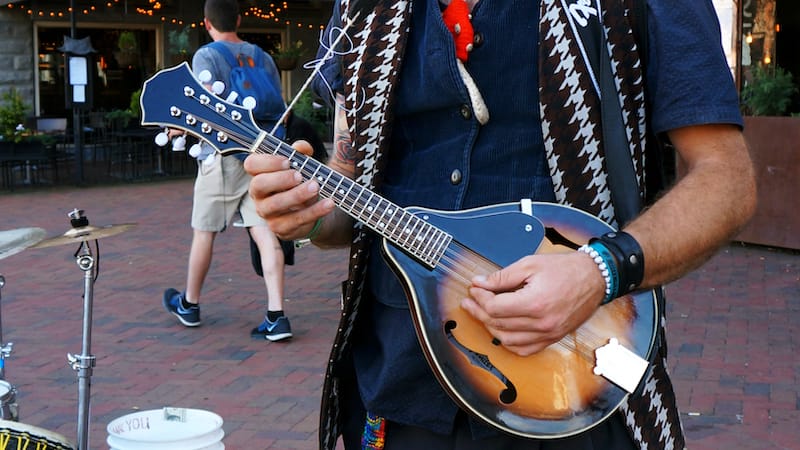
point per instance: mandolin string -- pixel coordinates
(245, 134)
(585, 338)
(580, 339)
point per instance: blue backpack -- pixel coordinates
(249, 78)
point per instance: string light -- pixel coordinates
(272, 14)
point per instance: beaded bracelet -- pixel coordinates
(608, 269)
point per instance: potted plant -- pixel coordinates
(121, 119)
(769, 93)
(286, 56)
(178, 44)
(13, 112)
(127, 45)
(20, 146)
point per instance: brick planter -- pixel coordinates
(775, 148)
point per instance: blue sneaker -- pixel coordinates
(273, 331)
(190, 317)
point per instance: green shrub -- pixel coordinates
(13, 112)
(318, 117)
(769, 93)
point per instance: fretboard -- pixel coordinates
(411, 233)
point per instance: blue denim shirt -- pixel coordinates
(440, 157)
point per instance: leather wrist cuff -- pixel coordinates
(629, 258)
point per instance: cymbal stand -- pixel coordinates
(10, 410)
(84, 363)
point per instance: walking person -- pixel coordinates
(221, 187)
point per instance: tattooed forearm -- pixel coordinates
(343, 148)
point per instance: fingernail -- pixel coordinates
(313, 187)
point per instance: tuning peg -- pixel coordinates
(210, 159)
(249, 102)
(218, 87)
(232, 97)
(205, 76)
(195, 150)
(162, 139)
(179, 144)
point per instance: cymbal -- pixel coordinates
(82, 234)
(15, 241)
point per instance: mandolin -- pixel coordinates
(563, 390)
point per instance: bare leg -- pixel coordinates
(199, 263)
(271, 265)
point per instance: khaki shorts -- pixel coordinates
(220, 190)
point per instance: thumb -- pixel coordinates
(503, 280)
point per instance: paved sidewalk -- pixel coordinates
(731, 329)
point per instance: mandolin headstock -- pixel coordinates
(174, 98)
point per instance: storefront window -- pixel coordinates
(770, 29)
(123, 60)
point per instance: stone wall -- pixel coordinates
(16, 53)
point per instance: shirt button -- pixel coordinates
(455, 177)
(477, 40)
(466, 112)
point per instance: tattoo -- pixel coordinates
(343, 143)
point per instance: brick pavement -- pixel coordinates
(731, 322)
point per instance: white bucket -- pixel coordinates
(167, 429)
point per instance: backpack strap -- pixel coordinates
(223, 50)
(234, 61)
(258, 57)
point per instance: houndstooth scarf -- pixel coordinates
(571, 127)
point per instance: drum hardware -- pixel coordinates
(88, 263)
(12, 242)
(22, 436)
(9, 408)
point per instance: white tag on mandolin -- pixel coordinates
(619, 365)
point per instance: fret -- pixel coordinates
(323, 181)
(342, 194)
(425, 240)
(443, 240)
(418, 237)
(411, 232)
(395, 220)
(333, 196)
(369, 207)
(302, 167)
(376, 209)
(347, 195)
(381, 223)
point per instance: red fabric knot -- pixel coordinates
(456, 19)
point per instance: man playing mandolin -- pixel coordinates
(447, 139)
